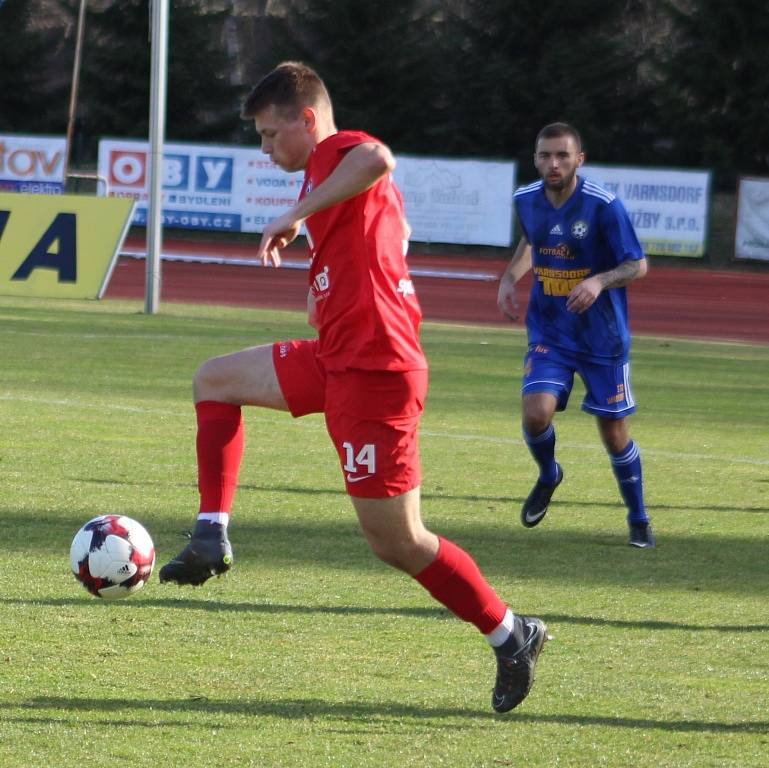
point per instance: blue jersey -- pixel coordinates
(590, 233)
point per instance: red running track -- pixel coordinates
(669, 301)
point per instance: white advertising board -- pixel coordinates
(237, 189)
(457, 201)
(751, 240)
(668, 208)
(32, 164)
(240, 189)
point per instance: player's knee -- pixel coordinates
(384, 549)
(536, 422)
(536, 417)
(397, 553)
(208, 380)
(387, 555)
(616, 444)
(614, 434)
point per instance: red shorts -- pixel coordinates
(371, 416)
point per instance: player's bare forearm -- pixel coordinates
(360, 169)
(584, 294)
(519, 265)
(623, 274)
(276, 236)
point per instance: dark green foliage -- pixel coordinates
(664, 82)
(203, 103)
(29, 100)
(718, 72)
(115, 88)
(115, 80)
(513, 67)
(478, 77)
(377, 59)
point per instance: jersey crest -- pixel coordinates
(579, 229)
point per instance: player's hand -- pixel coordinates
(507, 299)
(583, 295)
(276, 236)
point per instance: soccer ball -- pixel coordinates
(112, 556)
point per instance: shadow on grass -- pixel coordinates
(300, 709)
(224, 607)
(512, 557)
(436, 612)
(514, 501)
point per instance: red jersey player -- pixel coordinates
(365, 371)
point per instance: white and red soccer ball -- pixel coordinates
(112, 556)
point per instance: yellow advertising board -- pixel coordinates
(62, 246)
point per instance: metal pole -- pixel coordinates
(71, 117)
(159, 35)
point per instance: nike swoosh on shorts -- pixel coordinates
(357, 479)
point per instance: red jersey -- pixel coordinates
(367, 312)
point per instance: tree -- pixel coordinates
(374, 57)
(202, 104)
(29, 102)
(478, 77)
(718, 76)
(510, 68)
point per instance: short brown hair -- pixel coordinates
(556, 130)
(291, 86)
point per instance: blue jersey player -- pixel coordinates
(580, 245)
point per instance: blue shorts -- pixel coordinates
(608, 386)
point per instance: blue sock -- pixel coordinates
(542, 448)
(627, 470)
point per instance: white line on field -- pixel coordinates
(80, 404)
(597, 447)
(591, 447)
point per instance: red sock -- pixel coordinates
(219, 446)
(455, 580)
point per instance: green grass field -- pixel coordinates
(310, 652)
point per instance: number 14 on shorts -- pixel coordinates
(359, 465)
